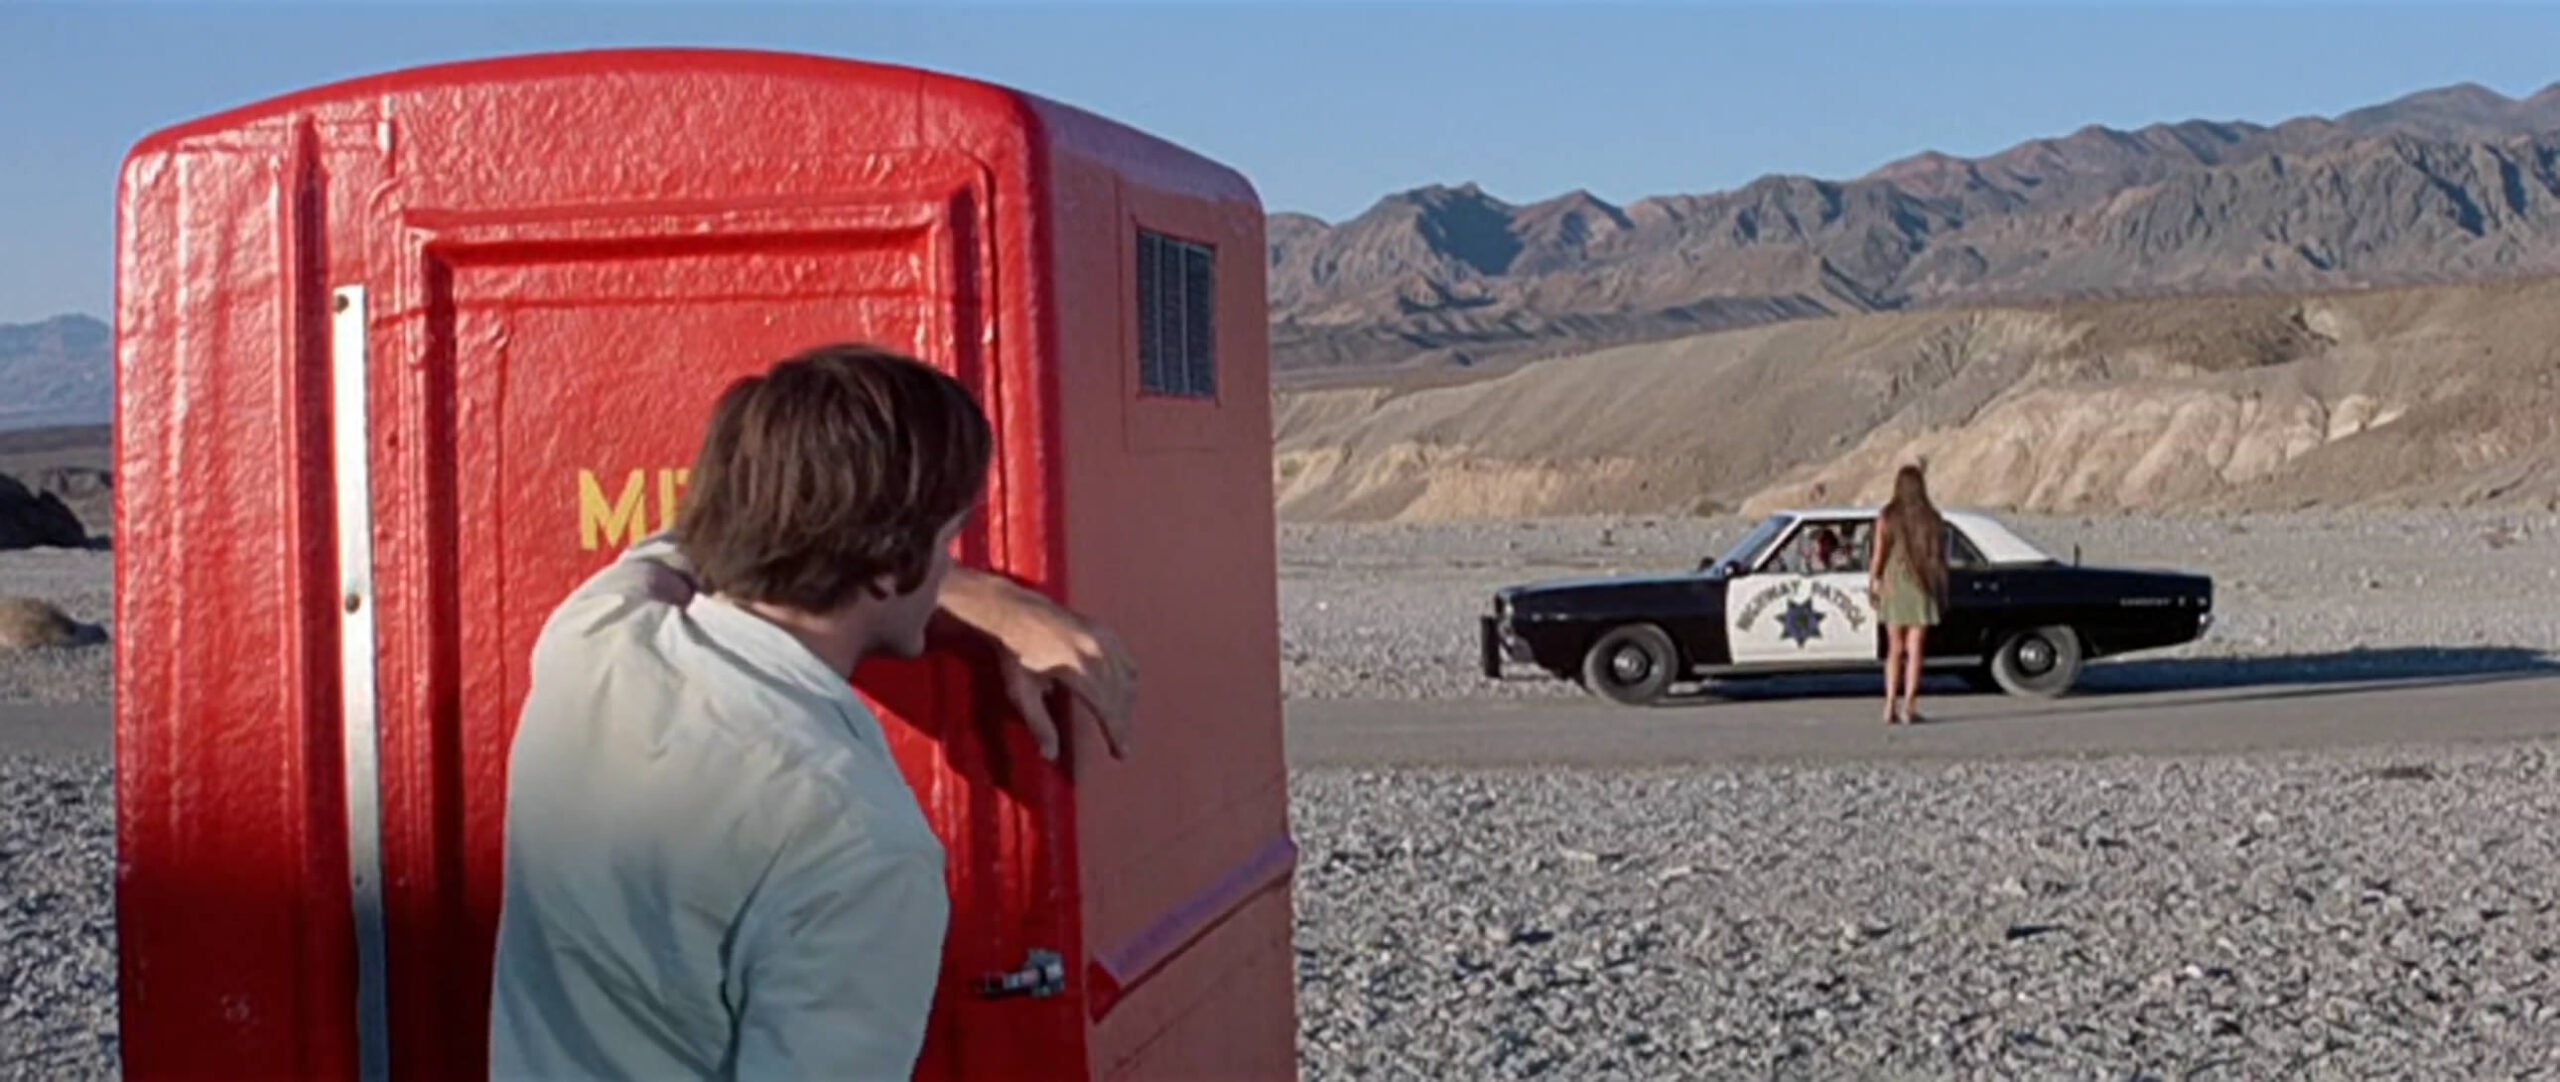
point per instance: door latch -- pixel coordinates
(1043, 974)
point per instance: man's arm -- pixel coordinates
(1045, 644)
(1040, 644)
(838, 954)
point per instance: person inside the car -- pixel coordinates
(1827, 552)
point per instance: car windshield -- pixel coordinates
(1752, 542)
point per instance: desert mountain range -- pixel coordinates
(2199, 314)
(2454, 184)
(58, 372)
(2353, 310)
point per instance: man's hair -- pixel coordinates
(836, 466)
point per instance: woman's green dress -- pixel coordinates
(1903, 601)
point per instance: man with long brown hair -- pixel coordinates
(1907, 576)
(714, 866)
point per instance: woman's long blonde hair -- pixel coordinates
(1913, 528)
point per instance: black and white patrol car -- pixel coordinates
(1787, 599)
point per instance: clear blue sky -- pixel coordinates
(1325, 107)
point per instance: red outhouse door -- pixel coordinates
(402, 361)
(544, 369)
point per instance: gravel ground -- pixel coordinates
(2336, 915)
(2377, 915)
(2383, 916)
(1389, 611)
(57, 926)
(82, 582)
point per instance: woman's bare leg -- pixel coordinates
(1914, 654)
(1892, 671)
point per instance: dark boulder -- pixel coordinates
(31, 519)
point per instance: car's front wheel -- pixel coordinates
(2038, 663)
(1633, 664)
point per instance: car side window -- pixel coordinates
(1789, 556)
(1960, 550)
(1781, 559)
(1821, 548)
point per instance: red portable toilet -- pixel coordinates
(401, 360)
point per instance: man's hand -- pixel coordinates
(1040, 645)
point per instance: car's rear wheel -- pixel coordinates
(2038, 663)
(1632, 664)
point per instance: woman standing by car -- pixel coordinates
(1907, 576)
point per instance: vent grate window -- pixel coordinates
(1177, 317)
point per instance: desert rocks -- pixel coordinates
(33, 519)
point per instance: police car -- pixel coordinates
(1790, 597)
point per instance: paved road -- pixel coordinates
(1825, 724)
(1829, 726)
(52, 731)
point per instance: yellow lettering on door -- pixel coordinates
(621, 522)
(670, 484)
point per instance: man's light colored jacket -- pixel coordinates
(713, 866)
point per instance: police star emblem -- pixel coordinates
(1801, 624)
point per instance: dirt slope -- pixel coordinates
(2424, 395)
